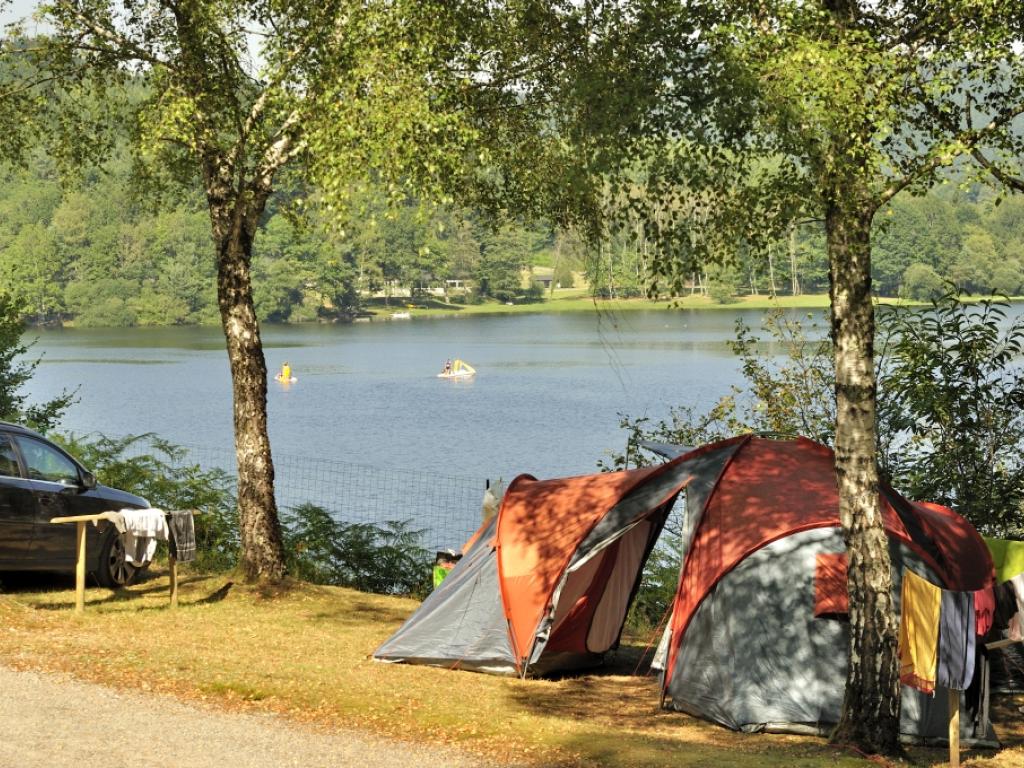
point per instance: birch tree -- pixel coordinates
(768, 109)
(230, 94)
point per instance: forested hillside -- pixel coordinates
(95, 253)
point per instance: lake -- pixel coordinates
(546, 398)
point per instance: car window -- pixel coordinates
(8, 460)
(44, 462)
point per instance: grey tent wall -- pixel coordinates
(462, 622)
(755, 658)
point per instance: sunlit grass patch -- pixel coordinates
(304, 651)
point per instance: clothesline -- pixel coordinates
(125, 519)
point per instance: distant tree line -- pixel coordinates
(95, 254)
(98, 256)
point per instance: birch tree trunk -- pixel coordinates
(235, 217)
(870, 716)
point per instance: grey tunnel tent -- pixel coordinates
(757, 638)
(545, 585)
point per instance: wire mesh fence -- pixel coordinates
(444, 508)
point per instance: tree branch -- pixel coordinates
(1013, 182)
(113, 38)
(969, 137)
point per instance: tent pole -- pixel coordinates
(954, 727)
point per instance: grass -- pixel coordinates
(304, 652)
(579, 300)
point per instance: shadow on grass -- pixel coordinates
(360, 611)
(50, 584)
(1008, 718)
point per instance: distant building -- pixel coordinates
(543, 280)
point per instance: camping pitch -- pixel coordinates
(757, 638)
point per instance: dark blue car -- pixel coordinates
(38, 481)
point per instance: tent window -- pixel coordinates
(831, 600)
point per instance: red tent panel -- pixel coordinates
(969, 564)
(770, 489)
(540, 526)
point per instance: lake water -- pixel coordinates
(371, 433)
(546, 398)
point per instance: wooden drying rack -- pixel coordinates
(80, 522)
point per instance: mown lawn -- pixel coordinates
(304, 652)
(578, 300)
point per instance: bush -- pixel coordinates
(658, 586)
(16, 372)
(921, 283)
(952, 393)
(534, 293)
(723, 285)
(563, 277)
(386, 558)
(1006, 279)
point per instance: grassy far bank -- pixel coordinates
(305, 653)
(579, 300)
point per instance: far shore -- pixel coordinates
(575, 300)
(401, 308)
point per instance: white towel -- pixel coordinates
(1017, 620)
(143, 527)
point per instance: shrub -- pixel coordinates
(563, 277)
(386, 558)
(921, 282)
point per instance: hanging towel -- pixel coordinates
(182, 542)
(955, 667)
(1016, 624)
(920, 603)
(143, 527)
(984, 610)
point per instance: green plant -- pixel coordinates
(658, 586)
(15, 373)
(953, 396)
(792, 396)
(921, 282)
(385, 558)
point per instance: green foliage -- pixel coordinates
(951, 403)
(785, 397)
(952, 390)
(563, 277)
(921, 282)
(386, 558)
(658, 586)
(723, 285)
(15, 373)
(161, 473)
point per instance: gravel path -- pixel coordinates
(52, 721)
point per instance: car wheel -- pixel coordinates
(115, 571)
